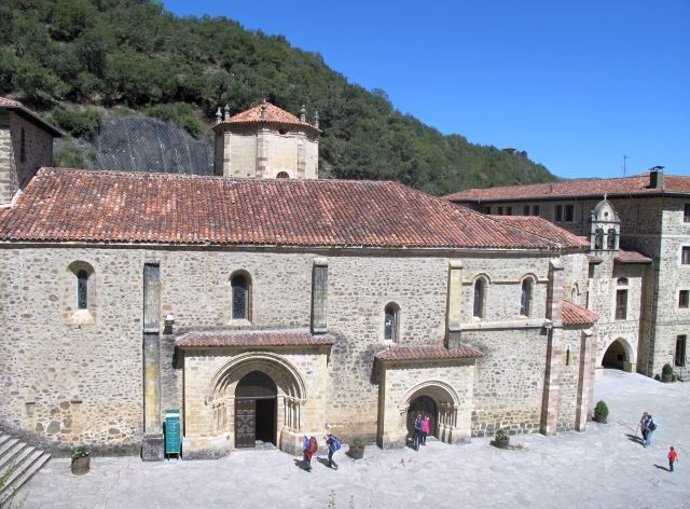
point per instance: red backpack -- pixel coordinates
(313, 445)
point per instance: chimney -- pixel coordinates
(303, 114)
(656, 177)
(262, 114)
(316, 119)
(226, 110)
(219, 116)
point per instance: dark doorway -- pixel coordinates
(255, 410)
(615, 356)
(426, 406)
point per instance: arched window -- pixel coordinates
(479, 296)
(390, 324)
(611, 239)
(241, 294)
(622, 299)
(599, 238)
(82, 289)
(81, 297)
(283, 175)
(526, 297)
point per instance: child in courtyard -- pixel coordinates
(672, 458)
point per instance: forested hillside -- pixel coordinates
(78, 60)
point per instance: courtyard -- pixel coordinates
(602, 467)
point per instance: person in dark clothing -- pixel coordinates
(417, 436)
(331, 442)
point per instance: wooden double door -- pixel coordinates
(255, 410)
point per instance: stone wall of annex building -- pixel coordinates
(67, 382)
(15, 172)
(509, 380)
(568, 365)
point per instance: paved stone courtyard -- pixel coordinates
(602, 467)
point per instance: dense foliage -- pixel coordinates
(133, 53)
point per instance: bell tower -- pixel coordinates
(266, 142)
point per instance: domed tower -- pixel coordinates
(605, 227)
(266, 142)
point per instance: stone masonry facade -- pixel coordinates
(67, 387)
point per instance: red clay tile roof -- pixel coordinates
(584, 188)
(274, 114)
(542, 227)
(574, 315)
(11, 104)
(631, 257)
(254, 338)
(67, 205)
(424, 353)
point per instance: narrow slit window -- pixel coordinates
(240, 297)
(526, 298)
(391, 323)
(479, 293)
(82, 289)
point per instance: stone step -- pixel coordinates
(22, 472)
(19, 462)
(6, 444)
(4, 438)
(10, 454)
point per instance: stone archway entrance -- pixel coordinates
(427, 407)
(255, 410)
(617, 356)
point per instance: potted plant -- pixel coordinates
(601, 412)
(501, 439)
(667, 373)
(81, 461)
(356, 449)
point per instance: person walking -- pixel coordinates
(672, 458)
(333, 445)
(425, 429)
(305, 451)
(651, 428)
(417, 436)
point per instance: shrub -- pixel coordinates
(78, 123)
(601, 409)
(502, 434)
(180, 114)
(667, 369)
(356, 443)
(79, 452)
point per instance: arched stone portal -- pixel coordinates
(618, 355)
(255, 410)
(437, 400)
(425, 406)
(256, 396)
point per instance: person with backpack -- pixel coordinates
(309, 447)
(334, 444)
(651, 428)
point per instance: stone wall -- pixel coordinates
(250, 151)
(37, 151)
(79, 379)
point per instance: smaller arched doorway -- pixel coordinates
(617, 356)
(427, 407)
(255, 410)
